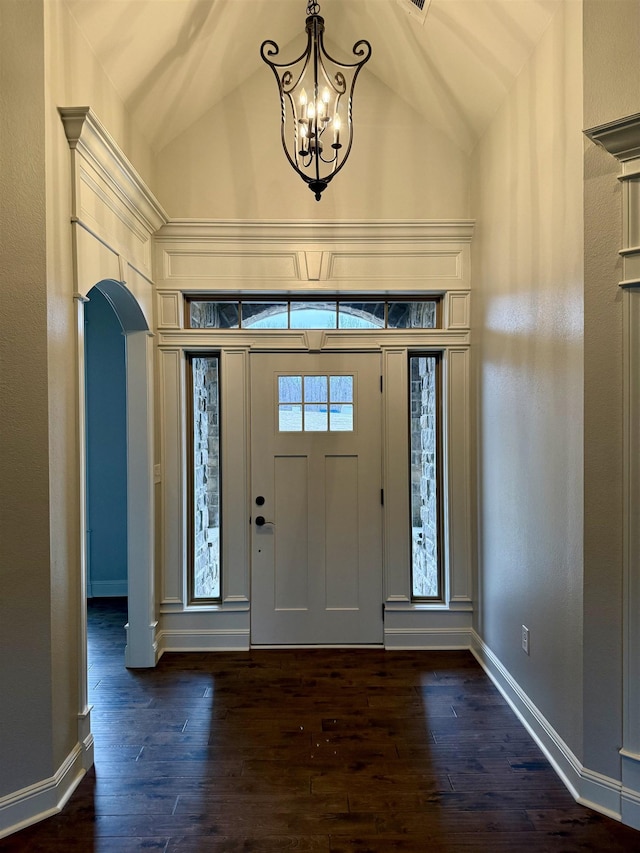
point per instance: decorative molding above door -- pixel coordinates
(321, 258)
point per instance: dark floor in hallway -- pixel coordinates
(339, 751)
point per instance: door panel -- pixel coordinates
(317, 561)
(341, 531)
(291, 546)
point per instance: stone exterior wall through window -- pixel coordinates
(424, 468)
(206, 478)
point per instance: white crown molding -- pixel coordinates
(333, 231)
(621, 138)
(87, 135)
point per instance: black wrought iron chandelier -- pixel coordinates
(316, 93)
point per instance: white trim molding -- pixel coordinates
(234, 258)
(312, 231)
(206, 640)
(445, 638)
(194, 256)
(85, 736)
(630, 752)
(594, 790)
(87, 135)
(621, 138)
(555, 749)
(113, 218)
(43, 799)
(113, 212)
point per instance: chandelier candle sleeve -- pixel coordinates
(316, 95)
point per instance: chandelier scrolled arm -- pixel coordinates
(268, 48)
(316, 94)
(362, 48)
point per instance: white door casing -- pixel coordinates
(317, 561)
(361, 259)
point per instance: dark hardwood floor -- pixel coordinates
(339, 751)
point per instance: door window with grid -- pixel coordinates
(315, 403)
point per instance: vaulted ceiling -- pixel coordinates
(172, 60)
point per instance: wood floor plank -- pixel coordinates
(206, 803)
(313, 751)
(251, 844)
(479, 842)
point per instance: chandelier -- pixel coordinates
(316, 92)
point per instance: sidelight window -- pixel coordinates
(205, 479)
(426, 556)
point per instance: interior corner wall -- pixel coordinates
(26, 753)
(527, 333)
(230, 164)
(611, 91)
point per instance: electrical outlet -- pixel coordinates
(525, 639)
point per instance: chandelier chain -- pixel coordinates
(313, 8)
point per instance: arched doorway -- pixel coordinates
(106, 443)
(119, 461)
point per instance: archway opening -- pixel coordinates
(118, 457)
(106, 442)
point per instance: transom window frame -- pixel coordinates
(348, 298)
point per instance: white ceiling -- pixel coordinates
(172, 60)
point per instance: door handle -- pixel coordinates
(261, 521)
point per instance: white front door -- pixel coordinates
(316, 462)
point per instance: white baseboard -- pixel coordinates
(436, 639)
(600, 793)
(630, 807)
(202, 640)
(556, 750)
(109, 589)
(141, 650)
(594, 790)
(43, 799)
(630, 796)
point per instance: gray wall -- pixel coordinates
(527, 335)
(43, 63)
(25, 558)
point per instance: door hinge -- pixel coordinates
(382, 496)
(381, 384)
(383, 610)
